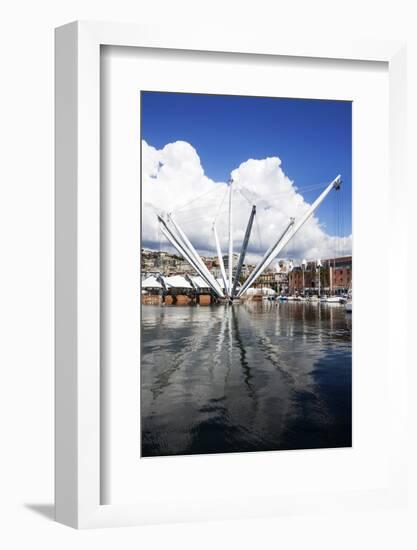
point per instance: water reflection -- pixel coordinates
(260, 376)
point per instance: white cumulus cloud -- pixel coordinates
(173, 180)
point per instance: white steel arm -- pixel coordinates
(230, 237)
(219, 255)
(243, 249)
(185, 253)
(265, 261)
(283, 241)
(194, 254)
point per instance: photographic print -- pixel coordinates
(246, 274)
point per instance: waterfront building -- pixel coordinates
(267, 279)
(335, 276)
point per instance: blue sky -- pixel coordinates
(313, 139)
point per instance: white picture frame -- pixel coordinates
(78, 405)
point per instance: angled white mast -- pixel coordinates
(265, 261)
(243, 249)
(287, 236)
(182, 251)
(188, 252)
(181, 243)
(230, 237)
(184, 239)
(219, 255)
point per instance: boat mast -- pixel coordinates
(230, 237)
(303, 268)
(331, 277)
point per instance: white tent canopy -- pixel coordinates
(177, 281)
(199, 283)
(151, 282)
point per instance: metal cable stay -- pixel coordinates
(178, 239)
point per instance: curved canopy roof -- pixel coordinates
(199, 282)
(176, 281)
(151, 282)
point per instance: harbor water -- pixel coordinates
(257, 376)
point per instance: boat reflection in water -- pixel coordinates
(251, 377)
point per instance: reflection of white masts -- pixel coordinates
(230, 238)
(219, 255)
(180, 242)
(286, 237)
